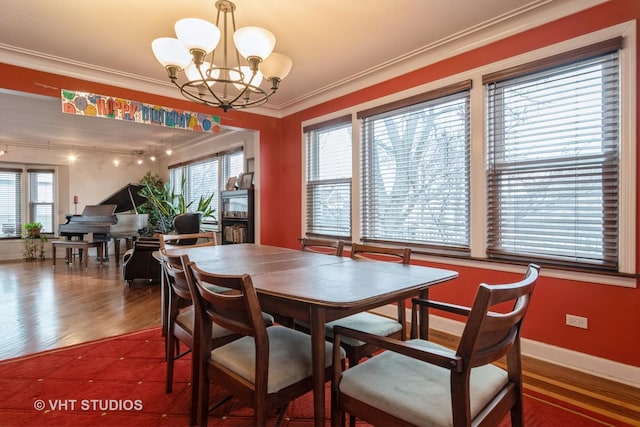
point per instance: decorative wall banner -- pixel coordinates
(87, 104)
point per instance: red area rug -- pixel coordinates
(119, 381)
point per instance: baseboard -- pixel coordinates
(582, 362)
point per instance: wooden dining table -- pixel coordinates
(316, 288)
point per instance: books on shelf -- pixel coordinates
(236, 214)
(235, 233)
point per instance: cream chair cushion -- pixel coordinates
(289, 357)
(415, 391)
(186, 318)
(365, 322)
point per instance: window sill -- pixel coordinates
(603, 278)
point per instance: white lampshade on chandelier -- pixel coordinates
(213, 72)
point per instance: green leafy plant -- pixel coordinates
(204, 207)
(31, 229)
(166, 204)
(152, 184)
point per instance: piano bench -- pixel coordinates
(83, 246)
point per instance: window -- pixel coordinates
(415, 170)
(202, 179)
(328, 178)
(553, 141)
(206, 176)
(10, 202)
(41, 198)
(20, 204)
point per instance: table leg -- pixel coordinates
(318, 361)
(53, 251)
(423, 316)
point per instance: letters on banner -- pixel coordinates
(87, 104)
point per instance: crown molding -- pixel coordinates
(525, 18)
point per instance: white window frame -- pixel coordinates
(25, 201)
(33, 204)
(316, 182)
(452, 213)
(628, 139)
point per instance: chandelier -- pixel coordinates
(215, 74)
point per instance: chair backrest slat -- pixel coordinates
(495, 320)
(402, 255)
(231, 302)
(175, 276)
(329, 247)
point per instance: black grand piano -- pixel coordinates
(110, 219)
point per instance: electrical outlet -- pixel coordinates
(576, 321)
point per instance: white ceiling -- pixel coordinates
(337, 46)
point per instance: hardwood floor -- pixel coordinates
(613, 399)
(43, 308)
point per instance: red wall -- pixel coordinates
(613, 312)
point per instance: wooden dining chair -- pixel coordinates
(267, 368)
(172, 241)
(181, 323)
(418, 382)
(367, 321)
(330, 247)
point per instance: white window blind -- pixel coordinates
(231, 165)
(10, 202)
(415, 171)
(41, 198)
(553, 140)
(175, 177)
(202, 179)
(328, 180)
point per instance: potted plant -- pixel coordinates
(31, 230)
(33, 241)
(166, 205)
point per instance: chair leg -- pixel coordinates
(414, 322)
(261, 415)
(517, 412)
(337, 414)
(281, 414)
(164, 298)
(170, 341)
(195, 378)
(517, 417)
(203, 396)
(353, 361)
(170, 358)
